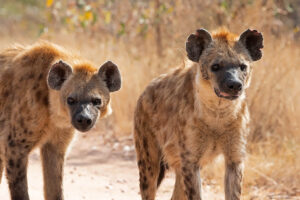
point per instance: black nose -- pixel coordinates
(235, 86)
(83, 121)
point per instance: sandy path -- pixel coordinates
(96, 171)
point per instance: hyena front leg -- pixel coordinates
(53, 155)
(16, 160)
(179, 192)
(148, 157)
(1, 168)
(191, 180)
(189, 166)
(233, 181)
(234, 156)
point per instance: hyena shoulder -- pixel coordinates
(168, 92)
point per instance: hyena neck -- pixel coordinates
(208, 103)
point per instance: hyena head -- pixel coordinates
(84, 91)
(225, 59)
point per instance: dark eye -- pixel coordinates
(243, 67)
(71, 101)
(215, 67)
(96, 102)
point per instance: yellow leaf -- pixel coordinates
(107, 17)
(170, 10)
(81, 18)
(68, 20)
(88, 15)
(49, 3)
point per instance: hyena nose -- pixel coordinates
(235, 86)
(83, 120)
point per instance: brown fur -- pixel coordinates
(180, 121)
(225, 35)
(32, 115)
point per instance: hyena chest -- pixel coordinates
(209, 150)
(210, 140)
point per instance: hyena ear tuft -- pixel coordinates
(253, 42)
(196, 43)
(57, 75)
(110, 74)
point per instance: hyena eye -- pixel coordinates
(71, 101)
(243, 67)
(96, 102)
(215, 67)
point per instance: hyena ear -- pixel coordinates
(196, 43)
(253, 42)
(110, 74)
(59, 72)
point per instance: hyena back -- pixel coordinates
(185, 118)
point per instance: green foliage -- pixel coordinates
(122, 29)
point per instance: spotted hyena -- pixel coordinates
(46, 93)
(185, 118)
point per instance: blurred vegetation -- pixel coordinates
(136, 20)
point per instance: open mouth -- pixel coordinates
(226, 95)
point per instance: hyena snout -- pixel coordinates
(230, 86)
(84, 120)
(234, 86)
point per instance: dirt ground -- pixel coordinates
(98, 170)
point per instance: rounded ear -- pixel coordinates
(196, 43)
(110, 74)
(59, 72)
(253, 42)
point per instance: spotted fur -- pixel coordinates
(33, 115)
(180, 121)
